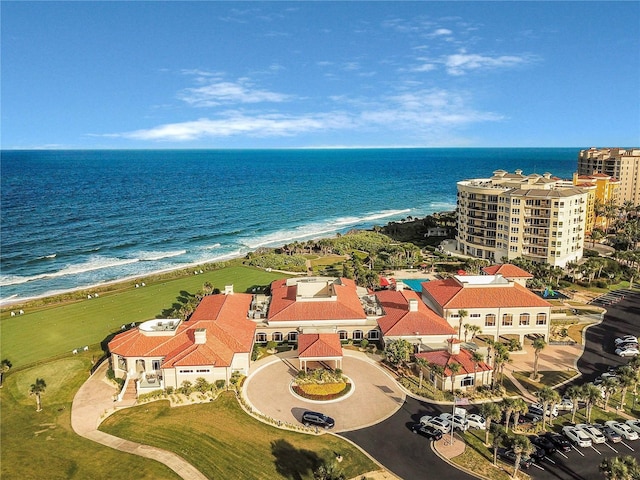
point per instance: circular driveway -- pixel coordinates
(375, 395)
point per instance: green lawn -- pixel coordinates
(222, 441)
(43, 333)
(38, 445)
(547, 378)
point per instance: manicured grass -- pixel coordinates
(42, 444)
(221, 441)
(43, 333)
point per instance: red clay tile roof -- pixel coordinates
(444, 359)
(284, 307)
(450, 294)
(228, 331)
(507, 271)
(399, 321)
(319, 345)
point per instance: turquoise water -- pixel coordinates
(415, 284)
(79, 218)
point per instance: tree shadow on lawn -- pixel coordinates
(294, 463)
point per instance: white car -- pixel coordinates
(565, 404)
(576, 436)
(425, 419)
(623, 429)
(539, 406)
(477, 421)
(439, 423)
(627, 352)
(592, 432)
(458, 421)
(635, 425)
(625, 339)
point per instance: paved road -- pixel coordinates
(407, 455)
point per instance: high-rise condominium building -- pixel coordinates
(620, 163)
(511, 215)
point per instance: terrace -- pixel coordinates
(159, 327)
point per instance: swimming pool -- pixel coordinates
(414, 284)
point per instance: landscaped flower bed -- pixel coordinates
(326, 391)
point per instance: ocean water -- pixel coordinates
(72, 219)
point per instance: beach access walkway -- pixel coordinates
(94, 402)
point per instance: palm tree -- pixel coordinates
(574, 393)
(421, 363)
(591, 394)
(500, 359)
(476, 358)
(506, 405)
(626, 378)
(489, 411)
(609, 386)
(620, 468)
(5, 366)
(475, 330)
(546, 395)
(466, 331)
(454, 368)
(521, 446)
(499, 434)
(538, 346)
(38, 389)
(462, 314)
(436, 371)
(519, 406)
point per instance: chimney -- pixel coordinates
(399, 286)
(228, 289)
(454, 346)
(413, 305)
(200, 336)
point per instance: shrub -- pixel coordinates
(202, 385)
(364, 342)
(271, 345)
(111, 375)
(220, 384)
(185, 388)
(169, 390)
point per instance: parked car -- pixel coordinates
(565, 404)
(627, 352)
(530, 417)
(458, 421)
(561, 443)
(550, 411)
(576, 436)
(538, 454)
(318, 419)
(609, 433)
(634, 424)
(623, 429)
(543, 442)
(477, 421)
(436, 422)
(592, 432)
(625, 339)
(426, 431)
(425, 419)
(510, 456)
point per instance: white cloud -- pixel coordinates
(417, 113)
(441, 32)
(461, 63)
(220, 93)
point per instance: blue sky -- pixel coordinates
(319, 74)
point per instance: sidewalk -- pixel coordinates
(94, 401)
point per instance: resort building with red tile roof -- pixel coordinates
(499, 306)
(472, 372)
(510, 272)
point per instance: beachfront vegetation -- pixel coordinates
(43, 445)
(221, 441)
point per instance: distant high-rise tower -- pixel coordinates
(620, 163)
(511, 215)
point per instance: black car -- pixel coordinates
(530, 417)
(426, 430)
(318, 419)
(510, 456)
(561, 443)
(538, 454)
(543, 442)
